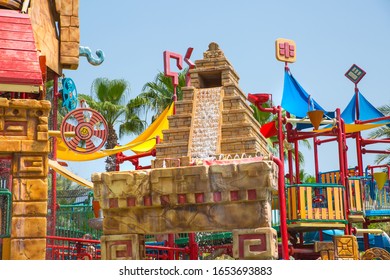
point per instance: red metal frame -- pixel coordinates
(134, 159)
(258, 100)
(63, 248)
(52, 230)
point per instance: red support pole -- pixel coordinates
(282, 208)
(359, 153)
(194, 248)
(54, 173)
(365, 142)
(365, 151)
(343, 169)
(171, 244)
(297, 168)
(281, 187)
(290, 167)
(280, 163)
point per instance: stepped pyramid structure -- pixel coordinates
(213, 112)
(190, 188)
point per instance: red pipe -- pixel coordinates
(359, 153)
(343, 177)
(54, 173)
(171, 243)
(372, 141)
(282, 208)
(373, 120)
(122, 157)
(365, 151)
(297, 168)
(194, 248)
(290, 167)
(281, 183)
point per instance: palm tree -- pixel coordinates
(157, 95)
(108, 97)
(382, 132)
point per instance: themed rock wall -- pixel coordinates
(24, 139)
(211, 173)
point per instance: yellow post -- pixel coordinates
(337, 202)
(293, 201)
(309, 203)
(6, 252)
(302, 206)
(330, 203)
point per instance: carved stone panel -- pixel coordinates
(259, 244)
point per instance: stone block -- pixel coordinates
(67, 7)
(186, 217)
(29, 189)
(74, 34)
(69, 49)
(75, 21)
(36, 146)
(65, 34)
(326, 249)
(121, 185)
(70, 62)
(123, 247)
(28, 249)
(255, 244)
(346, 247)
(10, 146)
(29, 209)
(29, 165)
(179, 180)
(28, 227)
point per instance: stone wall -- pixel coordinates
(24, 138)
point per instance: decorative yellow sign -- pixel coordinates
(285, 50)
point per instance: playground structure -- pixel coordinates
(213, 176)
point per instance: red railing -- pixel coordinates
(63, 248)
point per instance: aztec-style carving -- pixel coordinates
(376, 254)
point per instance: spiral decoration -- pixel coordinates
(84, 130)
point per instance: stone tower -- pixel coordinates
(213, 119)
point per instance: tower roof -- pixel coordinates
(19, 60)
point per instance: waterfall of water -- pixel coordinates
(205, 130)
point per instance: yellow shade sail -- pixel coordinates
(351, 128)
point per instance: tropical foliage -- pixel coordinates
(382, 132)
(109, 97)
(158, 95)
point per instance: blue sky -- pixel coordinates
(330, 36)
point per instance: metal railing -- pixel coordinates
(62, 248)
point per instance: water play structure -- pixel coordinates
(215, 186)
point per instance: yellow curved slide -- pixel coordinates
(145, 142)
(69, 175)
